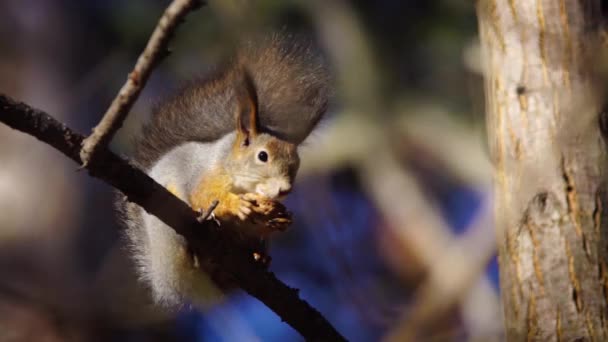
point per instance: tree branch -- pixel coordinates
(155, 51)
(205, 238)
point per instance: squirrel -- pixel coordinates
(231, 137)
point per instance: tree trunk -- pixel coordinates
(549, 157)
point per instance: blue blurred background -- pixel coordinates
(392, 237)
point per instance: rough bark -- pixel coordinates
(549, 158)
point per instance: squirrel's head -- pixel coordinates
(259, 162)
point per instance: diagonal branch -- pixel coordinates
(205, 239)
(155, 51)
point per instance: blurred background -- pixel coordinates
(393, 237)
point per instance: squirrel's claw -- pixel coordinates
(214, 218)
(244, 209)
(251, 196)
(279, 223)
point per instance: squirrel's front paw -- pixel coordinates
(232, 207)
(273, 213)
(243, 209)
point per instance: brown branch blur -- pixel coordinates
(395, 190)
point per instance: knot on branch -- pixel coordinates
(543, 209)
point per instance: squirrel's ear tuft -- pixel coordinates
(242, 133)
(247, 107)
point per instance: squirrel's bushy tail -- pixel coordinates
(292, 83)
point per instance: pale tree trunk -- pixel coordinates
(549, 158)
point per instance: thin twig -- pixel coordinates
(205, 239)
(155, 51)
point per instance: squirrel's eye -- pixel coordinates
(263, 156)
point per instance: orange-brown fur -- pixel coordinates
(215, 186)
